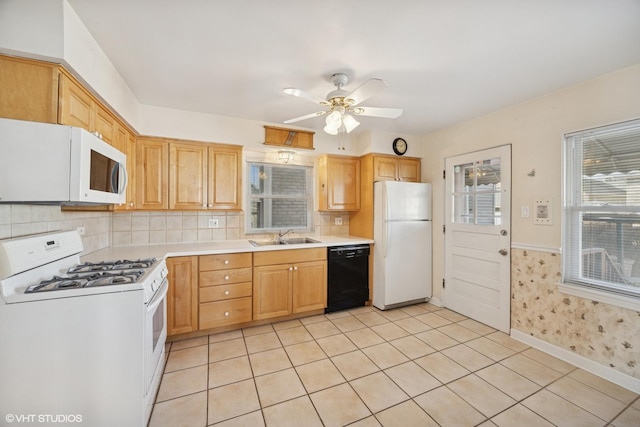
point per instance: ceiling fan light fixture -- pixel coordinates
(331, 130)
(349, 123)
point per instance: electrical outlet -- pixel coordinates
(338, 220)
(213, 223)
(80, 230)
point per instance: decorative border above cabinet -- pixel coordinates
(289, 138)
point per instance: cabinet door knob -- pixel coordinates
(210, 204)
(290, 268)
(295, 268)
(226, 292)
(226, 277)
(226, 314)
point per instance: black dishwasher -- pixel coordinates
(348, 277)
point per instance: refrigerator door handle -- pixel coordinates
(385, 237)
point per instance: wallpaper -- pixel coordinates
(604, 333)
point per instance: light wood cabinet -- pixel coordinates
(152, 174)
(187, 176)
(289, 281)
(204, 176)
(182, 298)
(126, 143)
(77, 107)
(226, 289)
(395, 169)
(288, 138)
(28, 90)
(225, 177)
(379, 167)
(338, 183)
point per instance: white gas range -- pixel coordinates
(78, 341)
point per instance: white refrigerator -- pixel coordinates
(402, 249)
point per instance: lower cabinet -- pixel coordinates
(289, 282)
(225, 289)
(182, 297)
(211, 291)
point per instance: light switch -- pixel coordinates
(543, 212)
(524, 211)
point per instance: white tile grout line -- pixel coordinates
(364, 310)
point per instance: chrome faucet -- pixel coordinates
(281, 235)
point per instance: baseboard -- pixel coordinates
(435, 301)
(610, 374)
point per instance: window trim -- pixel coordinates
(248, 197)
(600, 292)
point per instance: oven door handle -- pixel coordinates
(159, 296)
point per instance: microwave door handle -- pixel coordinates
(115, 172)
(125, 175)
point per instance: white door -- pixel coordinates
(478, 236)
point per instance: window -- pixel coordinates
(476, 195)
(280, 197)
(601, 236)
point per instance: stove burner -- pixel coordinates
(124, 264)
(86, 280)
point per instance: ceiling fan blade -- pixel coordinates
(389, 113)
(365, 91)
(305, 117)
(306, 95)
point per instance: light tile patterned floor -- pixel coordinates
(414, 366)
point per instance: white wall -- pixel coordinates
(535, 130)
(32, 26)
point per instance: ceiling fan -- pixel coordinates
(344, 105)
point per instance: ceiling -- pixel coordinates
(444, 61)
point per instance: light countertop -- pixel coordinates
(209, 248)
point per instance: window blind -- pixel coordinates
(601, 239)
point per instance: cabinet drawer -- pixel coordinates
(225, 261)
(221, 277)
(289, 256)
(223, 292)
(222, 313)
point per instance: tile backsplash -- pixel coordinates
(103, 229)
(22, 220)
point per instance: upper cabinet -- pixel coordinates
(225, 177)
(28, 90)
(390, 168)
(79, 108)
(288, 138)
(152, 173)
(379, 167)
(338, 183)
(204, 176)
(187, 175)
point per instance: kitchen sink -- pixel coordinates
(289, 241)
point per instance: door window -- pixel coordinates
(476, 193)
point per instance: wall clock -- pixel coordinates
(399, 146)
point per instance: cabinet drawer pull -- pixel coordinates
(226, 262)
(226, 314)
(226, 277)
(226, 292)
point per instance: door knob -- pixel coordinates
(503, 252)
(503, 232)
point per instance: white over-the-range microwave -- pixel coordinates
(57, 164)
